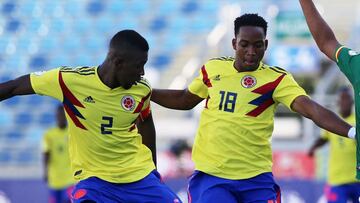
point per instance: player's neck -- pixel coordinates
(105, 76)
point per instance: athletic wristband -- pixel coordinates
(352, 133)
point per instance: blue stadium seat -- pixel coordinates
(189, 7)
(38, 62)
(46, 119)
(5, 156)
(8, 8)
(24, 118)
(95, 7)
(14, 136)
(13, 25)
(158, 24)
(25, 156)
(161, 61)
(34, 100)
(12, 101)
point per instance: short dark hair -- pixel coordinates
(128, 39)
(250, 19)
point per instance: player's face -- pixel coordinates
(132, 68)
(249, 45)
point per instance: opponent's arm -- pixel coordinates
(320, 30)
(147, 130)
(18, 86)
(317, 144)
(175, 99)
(321, 116)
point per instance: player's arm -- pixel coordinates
(320, 30)
(18, 86)
(317, 144)
(321, 116)
(175, 99)
(146, 128)
(46, 158)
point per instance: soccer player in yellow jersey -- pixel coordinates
(111, 131)
(232, 149)
(347, 59)
(343, 185)
(57, 161)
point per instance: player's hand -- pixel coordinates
(311, 153)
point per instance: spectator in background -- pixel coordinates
(57, 171)
(176, 161)
(343, 185)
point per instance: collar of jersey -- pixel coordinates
(260, 65)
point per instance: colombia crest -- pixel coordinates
(248, 81)
(128, 103)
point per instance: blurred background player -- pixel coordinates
(343, 185)
(232, 150)
(347, 60)
(57, 166)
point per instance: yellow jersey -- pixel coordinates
(342, 157)
(103, 138)
(233, 140)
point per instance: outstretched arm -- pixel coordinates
(321, 116)
(320, 30)
(147, 131)
(317, 144)
(18, 86)
(175, 99)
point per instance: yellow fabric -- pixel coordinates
(233, 141)
(55, 142)
(342, 157)
(104, 141)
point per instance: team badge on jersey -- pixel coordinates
(248, 81)
(128, 103)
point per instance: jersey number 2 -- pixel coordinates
(227, 101)
(109, 124)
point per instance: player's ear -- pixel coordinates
(234, 43)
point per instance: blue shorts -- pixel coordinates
(343, 193)
(148, 189)
(60, 195)
(211, 189)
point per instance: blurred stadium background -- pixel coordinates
(42, 34)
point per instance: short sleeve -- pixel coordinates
(146, 109)
(47, 83)
(198, 86)
(288, 90)
(348, 60)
